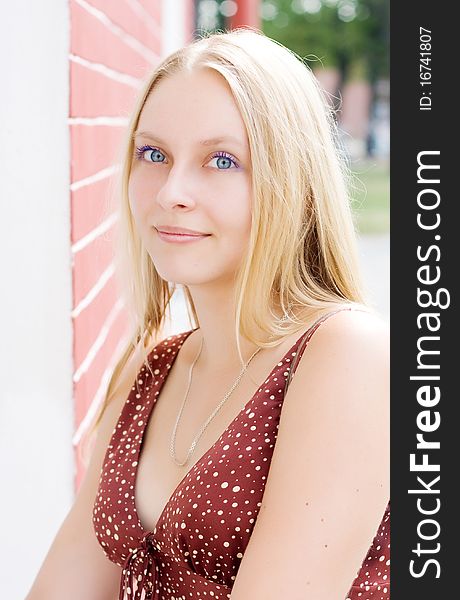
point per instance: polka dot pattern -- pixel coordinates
(200, 538)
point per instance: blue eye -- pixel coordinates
(225, 160)
(155, 155)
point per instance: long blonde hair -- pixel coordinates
(302, 250)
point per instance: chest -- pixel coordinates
(219, 445)
(209, 505)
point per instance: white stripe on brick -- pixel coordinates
(97, 121)
(99, 395)
(145, 16)
(125, 37)
(102, 174)
(106, 71)
(99, 342)
(94, 291)
(94, 233)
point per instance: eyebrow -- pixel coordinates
(207, 142)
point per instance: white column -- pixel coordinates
(173, 25)
(36, 408)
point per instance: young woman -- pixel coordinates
(216, 473)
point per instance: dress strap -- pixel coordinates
(306, 338)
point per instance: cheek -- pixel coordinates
(235, 219)
(140, 194)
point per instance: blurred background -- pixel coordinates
(71, 71)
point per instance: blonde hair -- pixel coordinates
(302, 250)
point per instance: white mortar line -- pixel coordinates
(96, 121)
(94, 291)
(124, 36)
(145, 16)
(99, 176)
(94, 233)
(99, 395)
(99, 342)
(106, 71)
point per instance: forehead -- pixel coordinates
(199, 103)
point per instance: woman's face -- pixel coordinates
(191, 169)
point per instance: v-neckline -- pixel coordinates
(210, 450)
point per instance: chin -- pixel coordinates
(186, 275)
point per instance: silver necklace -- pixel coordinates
(172, 450)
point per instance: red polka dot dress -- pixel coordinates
(200, 538)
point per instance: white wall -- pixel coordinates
(36, 409)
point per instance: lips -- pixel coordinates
(179, 231)
(181, 238)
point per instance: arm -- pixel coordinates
(76, 566)
(328, 483)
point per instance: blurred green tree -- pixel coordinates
(351, 35)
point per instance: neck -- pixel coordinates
(219, 352)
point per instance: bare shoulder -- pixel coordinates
(349, 334)
(350, 350)
(345, 366)
(358, 321)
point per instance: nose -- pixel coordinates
(177, 190)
